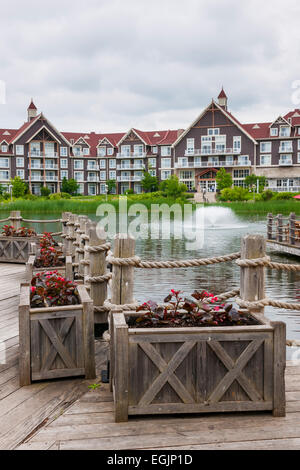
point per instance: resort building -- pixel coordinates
(40, 154)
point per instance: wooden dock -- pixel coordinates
(66, 414)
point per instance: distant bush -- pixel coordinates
(56, 196)
(280, 196)
(267, 195)
(236, 193)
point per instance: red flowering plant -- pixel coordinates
(200, 309)
(49, 256)
(49, 289)
(10, 231)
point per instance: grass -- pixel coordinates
(284, 207)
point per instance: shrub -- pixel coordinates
(10, 231)
(18, 187)
(235, 194)
(49, 289)
(267, 195)
(129, 191)
(49, 256)
(173, 188)
(45, 191)
(280, 196)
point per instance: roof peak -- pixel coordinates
(222, 94)
(32, 105)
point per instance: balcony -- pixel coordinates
(208, 151)
(92, 179)
(131, 155)
(37, 154)
(51, 178)
(131, 167)
(129, 178)
(285, 149)
(42, 167)
(36, 178)
(211, 164)
(93, 168)
(286, 162)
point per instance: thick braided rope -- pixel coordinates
(100, 309)
(79, 250)
(98, 248)
(18, 217)
(84, 237)
(63, 235)
(69, 224)
(228, 295)
(85, 262)
(99, 279)
(267, 302)
(75, 265)
(45, 221)
(124, 307)
(56, 234)
(69, 237)
(265, 261)
(5, 220)
(76, 243)
(136, 262)
(292, 343)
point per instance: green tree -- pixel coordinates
(223, 179)
(149, 183)
(45, 191)
(251, 180)
(173, 188)
(111, 185)
(18, 187)
(2, 190)
(69, 186)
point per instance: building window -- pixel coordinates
(165, 174)
(154, 149)
(110, 151)
(102, 188)
(274, 131)
(244, 160)
(78, 175)
(64, 174)
(92, 190)
(152, 172)
(237, 142)
(86, 151)
(4, 148)
(265, 147)
(103, 175)
(101, 151)
(265, 160)
(165, 150)
(91, 165)
(166, 162)
(80, 189)
(19, 149)
(285, 131)
(4, 163)
(186, 175)
(63, 151)
(151, 162)
(241, 173)
(102, 163)
(112, 175)
(78, 164)
(138, 149)
(298, 157)
(64, 163)
(286, 146)
(4, 175)
(213, 131)
(20, 173)
(20, 162)
(112, 163)
(190, 146)
(240, 183)
(298, 144)
(125, 150)
(77, 151)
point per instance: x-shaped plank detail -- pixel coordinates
(57, 346)
(234, 370)
(20, 247)
(167, 372)
(4, 246)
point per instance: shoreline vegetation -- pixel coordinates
(89, 204)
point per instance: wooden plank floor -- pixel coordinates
(65, 414)
(24, 409)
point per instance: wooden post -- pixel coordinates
(270, 226)
(123, 276)
(24, 342)
(121, 379)
(98, 291)
(111, 357)
(88, 333)
(70, 233)
(65, 219)
(279, 228)
(15, 219)
(292, 232)
(78, 232)
(252, 279)
(279, 340)
(86, 268)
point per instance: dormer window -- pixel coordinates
(213, 131)
(285, 131)
(274, 131)
(4, 148)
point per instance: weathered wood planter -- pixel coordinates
(197, 370)
(56, 341)
(16, 249)
(66, 270)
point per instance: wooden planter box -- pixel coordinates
(65, 271)
(16, 249)
(197, 370)
(56, 342)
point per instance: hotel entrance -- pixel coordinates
(206, 180)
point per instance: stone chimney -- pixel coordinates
(31, 111)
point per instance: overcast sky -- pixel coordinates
(111, 65)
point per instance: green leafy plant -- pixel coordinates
(18, 187)
(69, 186)
(149, 183)
(49, 289)
(173, 188)
(10, 231)
(223, 179)
(94, 386)
(45, 191)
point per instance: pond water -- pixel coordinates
(222, 235)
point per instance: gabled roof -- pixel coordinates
(279, 119)
(24, 128)
(94, 139)
(222, 94)
(158, 137)
(32, 105)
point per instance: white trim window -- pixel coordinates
(183, 162)
(166, 162)
(125, 150)
(243, 160)
(213, 131)
(151, 162)
(274, 131)
(112, 175)
(63, 151)
(190, 146)
(78, 164)
(165, 150)
(20, 173)
(138, 149)
(91, 189)
(102, 188)
(20, 162)
(19, 149)
(298, 144)
(237, 144)
(165, 174)
(285, 131)
(103, 175)
(63, 174)
(64, 163)
(77, 151)
(112, 163)
(86, 151)
(265, 160)
(110, 151)
(101, 151)
(286, 146)
(102, 163)
(91, 165)
(4, 163)
(4, 148)
(265, 147)
(152, 172)
(78, 175)
(80, 189)
(154, 149)
(4, 175)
